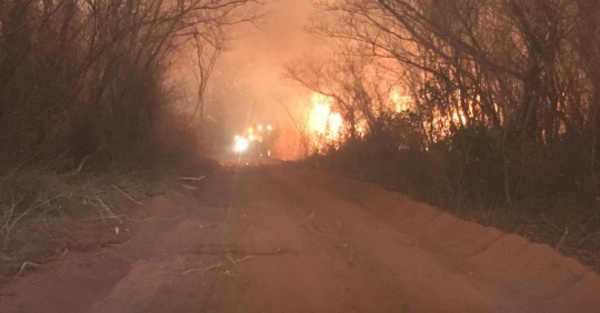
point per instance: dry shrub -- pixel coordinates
(38, 210)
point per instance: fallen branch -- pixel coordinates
(107, 209)
(230, 259)
(82, 162)
(127, 195)
(211, 249)
(562, 239)
(203, 270)
(26, 264)
(235, 262)
(188, 187)
(246, 258)
(99, 211)
(193, 179)
(316, 232)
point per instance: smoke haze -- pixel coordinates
(247, 86)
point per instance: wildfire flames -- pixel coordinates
(326, 128)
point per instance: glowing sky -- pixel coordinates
(247, 86)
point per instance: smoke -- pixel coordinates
(247, 86)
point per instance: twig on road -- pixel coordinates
(28, 264)
(189, 187)
(193, 179)
(213, 249)
(235, 262)
(316, 232)
(248, 257)
(203, 270)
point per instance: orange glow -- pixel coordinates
(325, 126)
(319, 118)
(400, 102)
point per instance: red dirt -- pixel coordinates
(291, 240)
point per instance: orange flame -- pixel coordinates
(326, 127)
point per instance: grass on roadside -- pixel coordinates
(41, 211)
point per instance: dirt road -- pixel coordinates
(280, 239)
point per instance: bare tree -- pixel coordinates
(78, 76)
(519, 73)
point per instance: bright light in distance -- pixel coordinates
(250, 130)
(260, 127)
(269, 127)
(241, 145)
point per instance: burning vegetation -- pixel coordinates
(466, 103)
(492, 104)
